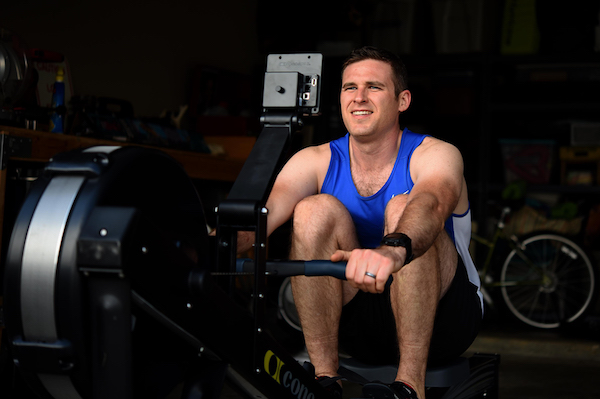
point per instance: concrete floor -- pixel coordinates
(545, 364)
(531, 378)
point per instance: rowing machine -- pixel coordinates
(109, 291)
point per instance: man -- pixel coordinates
(380, 198)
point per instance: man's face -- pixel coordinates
(368, 102)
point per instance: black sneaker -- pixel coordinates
(331, 385)
(396, 390)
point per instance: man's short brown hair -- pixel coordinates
(399, 74)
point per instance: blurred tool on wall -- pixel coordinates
(27, 78)
(57, 118)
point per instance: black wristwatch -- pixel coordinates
(399, 240)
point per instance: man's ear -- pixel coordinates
(404, 100)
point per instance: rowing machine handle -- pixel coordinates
(287, 268)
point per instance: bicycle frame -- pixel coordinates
(514, 243)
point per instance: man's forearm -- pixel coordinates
(422, 220)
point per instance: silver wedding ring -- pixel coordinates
(370, 274)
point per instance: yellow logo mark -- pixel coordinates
(276, 373)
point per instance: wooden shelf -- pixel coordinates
(197, 165)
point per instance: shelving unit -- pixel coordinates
(474, 100)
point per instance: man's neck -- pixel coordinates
(374, 153)
(372, 161)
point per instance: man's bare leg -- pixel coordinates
(321, 225)
(415, 294)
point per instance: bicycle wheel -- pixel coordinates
(548, 281)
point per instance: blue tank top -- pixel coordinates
(368, 212)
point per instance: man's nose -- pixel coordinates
(360, 95)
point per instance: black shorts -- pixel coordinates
(368, 318)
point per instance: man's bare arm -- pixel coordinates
(437, 172)
(299, 178)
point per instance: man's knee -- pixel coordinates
(321, 216)
(318, 209)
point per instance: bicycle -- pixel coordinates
(546, 280)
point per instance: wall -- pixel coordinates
(139, 51)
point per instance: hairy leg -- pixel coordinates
(321, 225)
(415, 294)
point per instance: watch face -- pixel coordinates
(396, 240)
